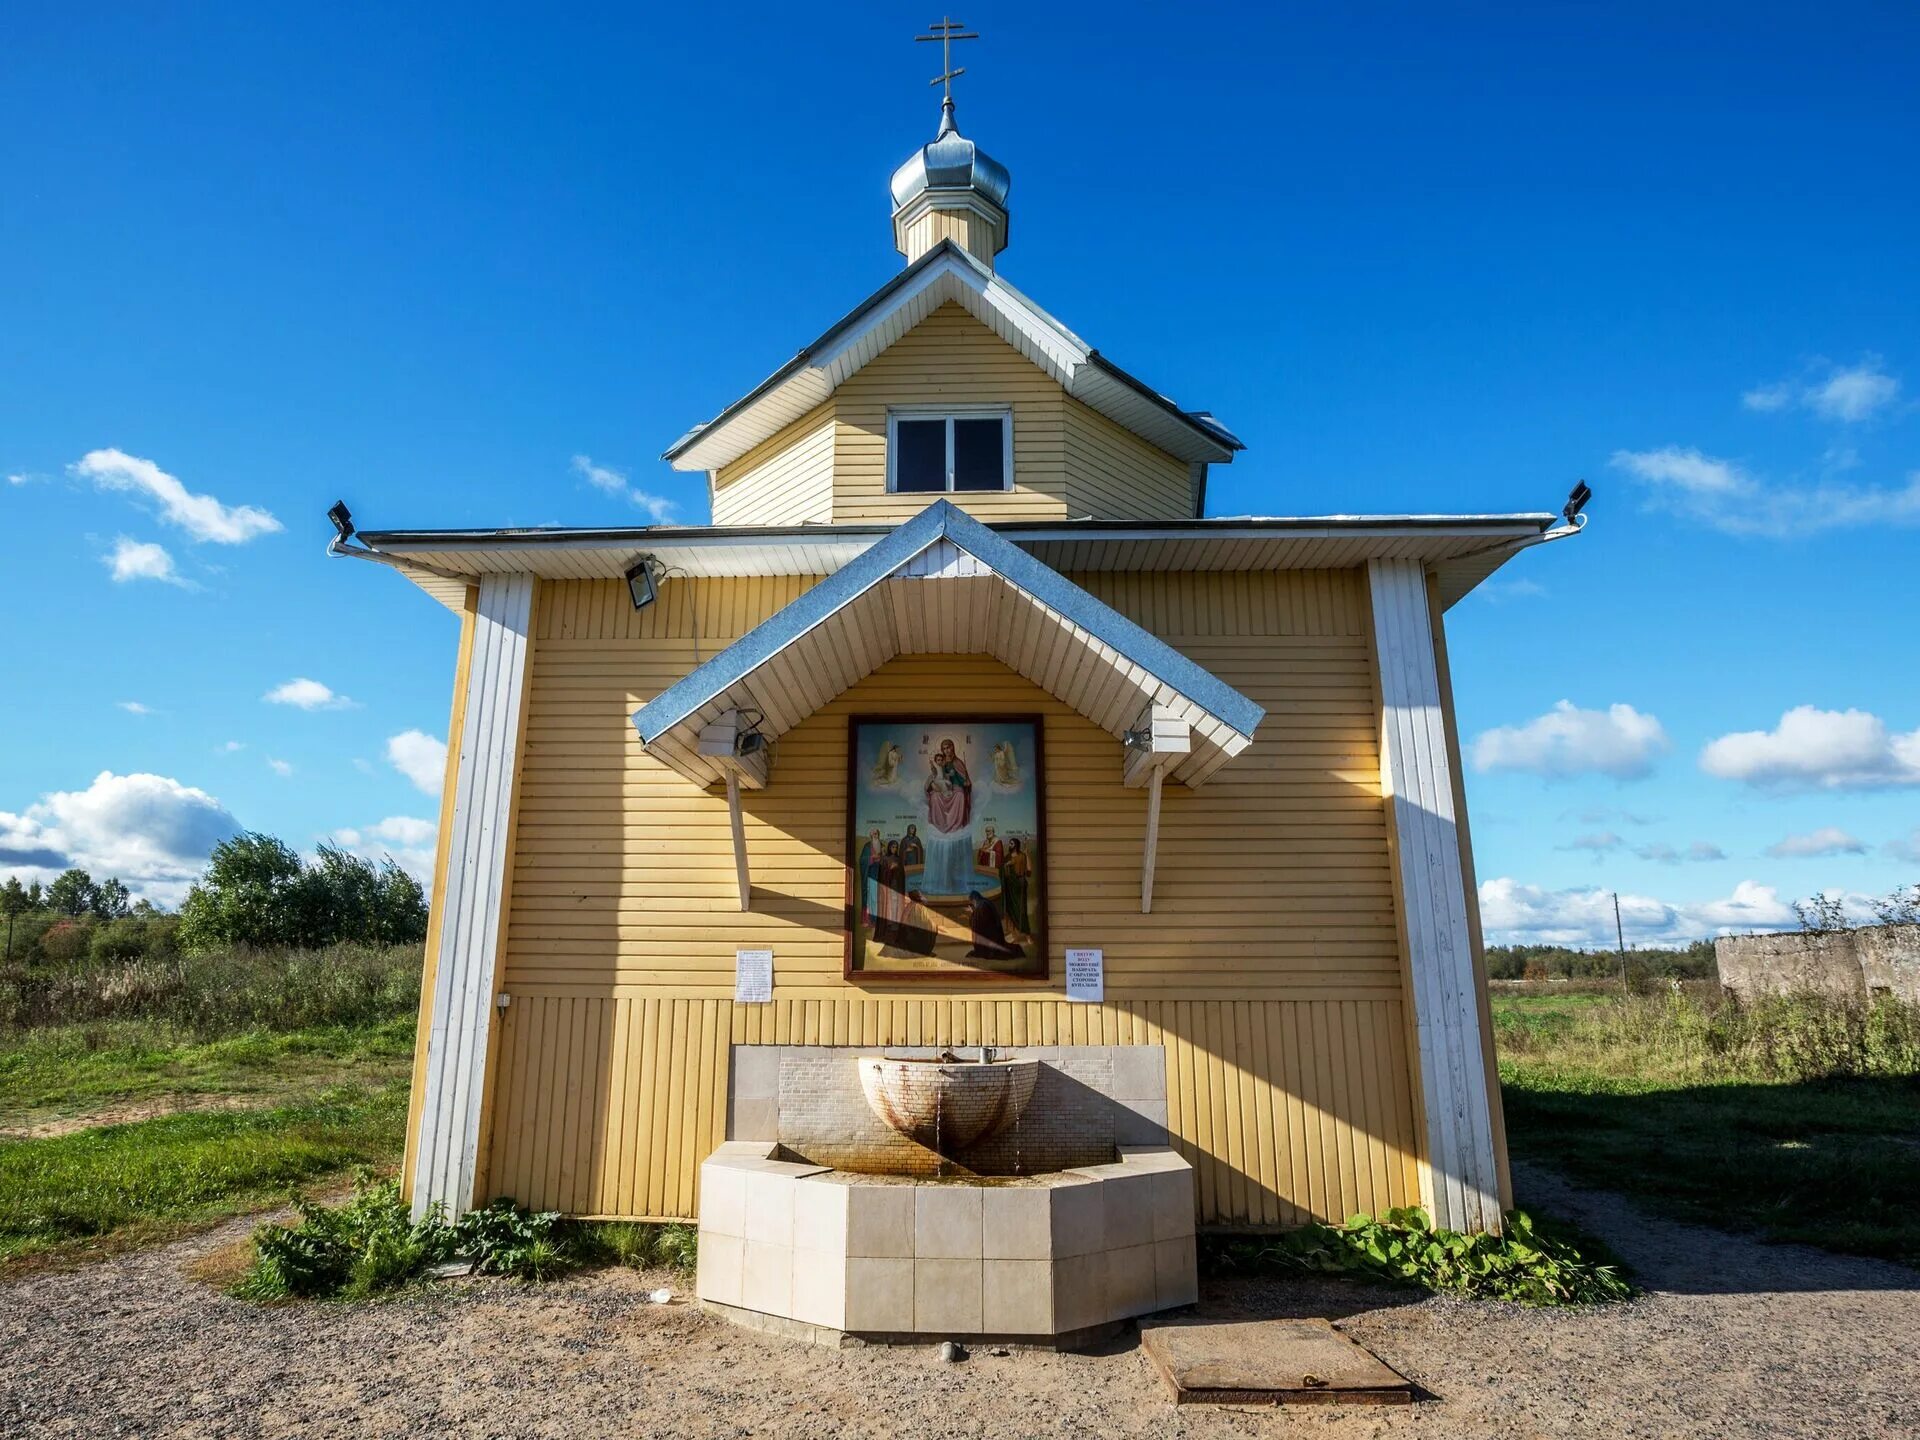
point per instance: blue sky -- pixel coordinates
(1421, 258)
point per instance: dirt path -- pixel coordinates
(1737, 1339)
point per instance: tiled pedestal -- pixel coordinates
(1036, 1259)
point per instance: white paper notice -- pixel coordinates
(752, 977)
(1086, 975)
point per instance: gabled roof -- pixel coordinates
(948, 273)
(944, 583)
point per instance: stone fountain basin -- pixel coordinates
(947, 1105)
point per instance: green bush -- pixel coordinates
(371, 1243)
(1525, 1264)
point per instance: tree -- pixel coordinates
(73, 894)
(257, 891)
(111, 900)
(13, 902)
(250, 895)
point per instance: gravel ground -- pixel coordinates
(1735, 1339)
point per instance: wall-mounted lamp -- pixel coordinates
(1577, 501)
(342, 519)
(1137, 739)
(643, 581)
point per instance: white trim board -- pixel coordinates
(1459, 1175)
(447, 1154)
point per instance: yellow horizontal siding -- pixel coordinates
(1068, 460)
(949, 358)
(787, 479)
(1270, 966)
(1114, 474)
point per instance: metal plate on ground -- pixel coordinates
(1270, 1362)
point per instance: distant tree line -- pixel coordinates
(1562, 962)
(257, 891)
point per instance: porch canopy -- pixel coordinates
(943, 583)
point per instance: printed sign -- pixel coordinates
(753, 977)
(1086, 975)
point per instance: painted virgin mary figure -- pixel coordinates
(949, 791)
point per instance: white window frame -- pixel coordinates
(948, 413)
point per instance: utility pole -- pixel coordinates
(1620, 938)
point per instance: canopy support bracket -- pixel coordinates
(742, 755)
(1158, 741)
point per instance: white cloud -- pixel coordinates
(141, 560)
(419, 757)
(1498, 592)
(1853, 394)
(201, 516)
(1599, 844)
(1619, 741)
(148, 830)
(307, 694)
(1820, 750)
(282, 768)
(1516, 913)
(1720, 494)
(406, 838)
(1661, 853)
(20, 477)
(232, 746)
(1827, 840)
(134, 707)
(609, 481)
(1769, 398)
(1847, 394)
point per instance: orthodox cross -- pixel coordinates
(947, 30)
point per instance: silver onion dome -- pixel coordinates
(950, 161)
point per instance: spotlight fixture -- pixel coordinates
(748, 740)
(1576, 502)
(1137, 739)
(342, 519)
(643, 581)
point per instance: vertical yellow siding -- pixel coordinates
(787, 479)
(968, 229)
(1270, 967)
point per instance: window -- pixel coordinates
(930, 452)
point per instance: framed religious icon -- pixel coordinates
(946, 848)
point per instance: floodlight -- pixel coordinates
(643, 581)
(1577, 501)
(342, 519)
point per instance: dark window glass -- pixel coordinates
(919, 455)
(979, 455)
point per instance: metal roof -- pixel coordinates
(1462, 550)
(943, 583)
(948, 273)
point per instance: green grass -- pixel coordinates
(110, 1188)
(76, 1071)
(1791, 1119)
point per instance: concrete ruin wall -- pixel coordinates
(1852, 966)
